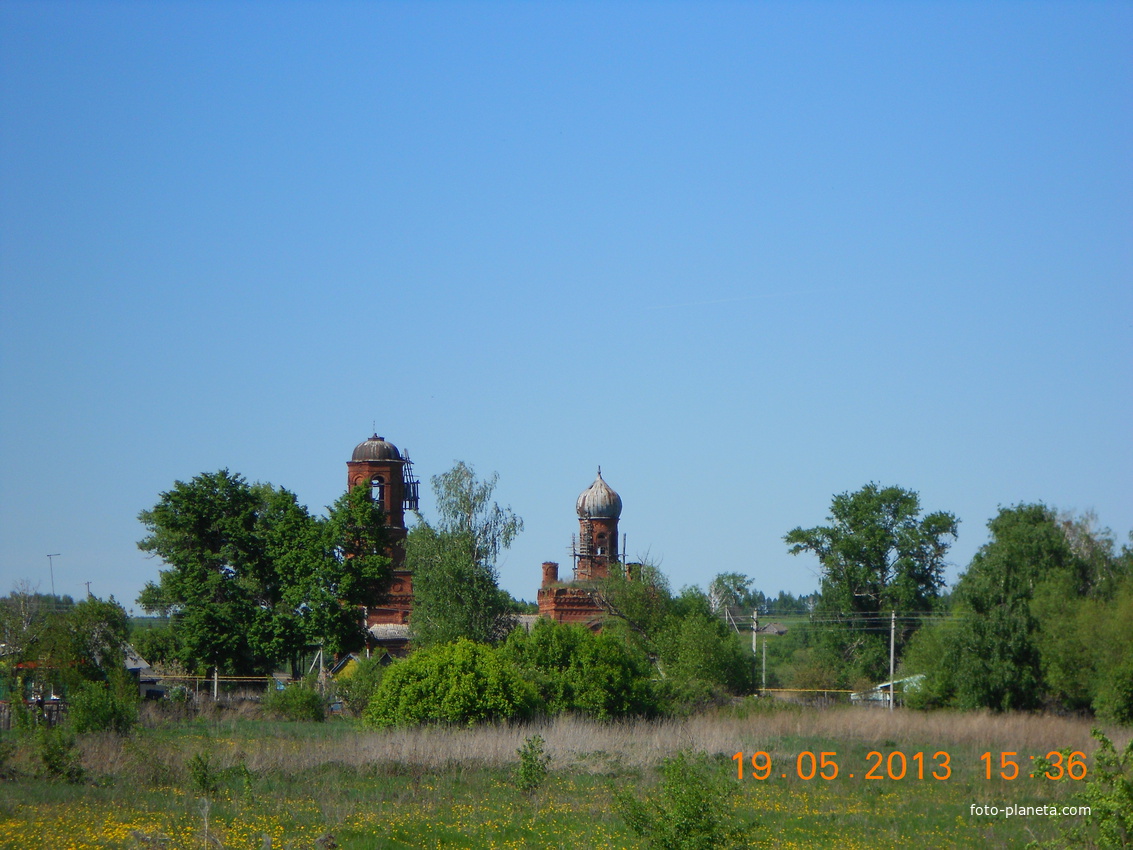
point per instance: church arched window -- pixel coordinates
(378, 489)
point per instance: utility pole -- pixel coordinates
(51, 566)
(87, 583)
(764, 688)
(754, 636)
(892, 644)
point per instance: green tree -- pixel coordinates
(697, 658)
(877, 555)
(158, 644)
(70, 644)
(636, 599)
(1103, 569)
(999, 649)
(26, 617)
(1041, 617)
(455, 587)
(222, 586)
(1084, 645)
(253, 578)
(1111, 685)
(98, 630)
(728, 589)
(467, 513)
(700, 658)
(354, 571)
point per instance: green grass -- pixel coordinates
(295, 782)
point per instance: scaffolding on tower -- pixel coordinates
(411, 500)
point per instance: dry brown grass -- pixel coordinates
(592, 746)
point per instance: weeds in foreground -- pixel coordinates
(7, 750)
(533, 764)
(203, 776)
(58, 754)
(690, 811)
(1109, 794)
(438, 786)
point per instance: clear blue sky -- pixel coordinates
(745, 256)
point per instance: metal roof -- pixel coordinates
(375, 448)
(389, 630)
(599, 500)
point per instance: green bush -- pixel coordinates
(699, 646)
(533, 765)
(298, 701)
(357, 685)
(1114, 700)
(104, 706)
(57, 752)
(179, 695)
(932, 652)
(690, 811)
(203, 777)
(684, 696)
(23, 718)
(461, 682)
(206, 780)
(7, 750)
(576, 670)
(1109, 794)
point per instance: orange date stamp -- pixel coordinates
(896, 765)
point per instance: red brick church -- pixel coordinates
(596, 547)
(388, 473)
(377, 464)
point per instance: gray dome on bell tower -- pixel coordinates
(599, 501)
(375, 448)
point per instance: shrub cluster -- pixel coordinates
(689, 811)
(533, 764)
(461, 682)
(556, 669)
(298, 701)
(104, 706)
(357, 685)
(578, 671)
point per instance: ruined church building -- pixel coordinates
(387, 472)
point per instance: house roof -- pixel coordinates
(389, 631)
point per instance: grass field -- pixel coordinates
(296, 783)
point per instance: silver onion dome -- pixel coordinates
(599, 500)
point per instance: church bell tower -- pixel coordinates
(388, 473)
(598, 508)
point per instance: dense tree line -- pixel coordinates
(1043, 617)
(1040, 618)
(735, 590)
